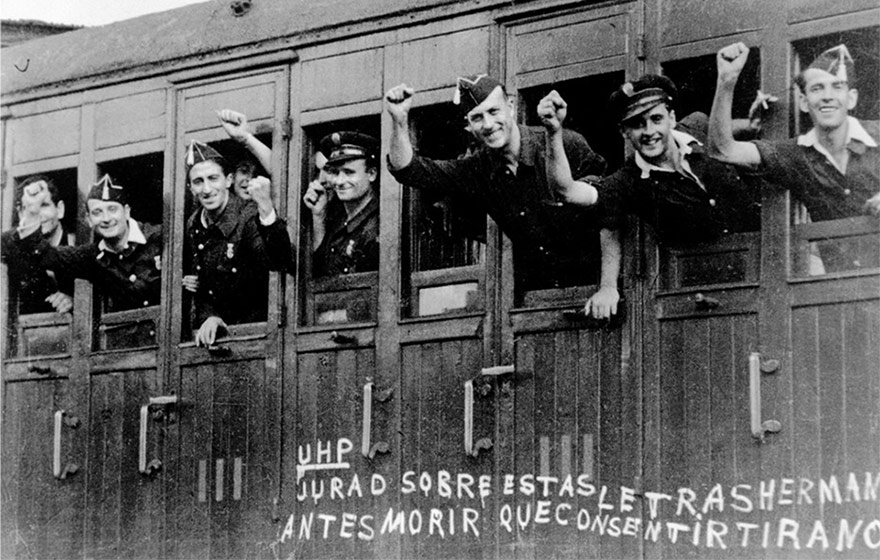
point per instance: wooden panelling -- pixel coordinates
(126, 120)
(126, 513)
(253, 96)
(45, 135)
(685, 21)
(328, 408)
(575, 415)
(435, 62)
(805, 10)
(432, 427)
(226, 433)
(341, 80)
(704, 432)
(42, 515)
(570, 40)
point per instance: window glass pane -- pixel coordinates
(444, 239)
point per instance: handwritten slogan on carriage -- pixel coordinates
(836, 512)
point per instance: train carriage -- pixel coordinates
(435, 407)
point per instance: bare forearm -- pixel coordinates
(401, 151)
(559, 176)
(609, 241)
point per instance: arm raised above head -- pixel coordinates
(721, 143)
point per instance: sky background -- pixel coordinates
(85, 12)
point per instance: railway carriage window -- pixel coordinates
(570, 236)
(340, 222)
(128, 318)
(734, 255)
(444, 243)
(221, 278)
(832, 226)
(37, 326)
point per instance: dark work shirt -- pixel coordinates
(349, 246)
(126, 280)
(827, 193)
(30, 281)
(554, 244)
(232, 258)
(679, 209)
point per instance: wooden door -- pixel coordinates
(44, 458)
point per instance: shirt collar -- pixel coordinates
(135, 236)
(683, 140)
(854, 132)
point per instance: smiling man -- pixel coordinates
(39, 290)
(124, 262)
(345, 205)
(834, 168)
(230, 246)
(554, 244)
(670, 183)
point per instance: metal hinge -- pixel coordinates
(641, 46)
(287, 128)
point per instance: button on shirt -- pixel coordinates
(112, 272)
(232, 258)
(802, 166)
(697, 205)
(554, 244)
(349, 245)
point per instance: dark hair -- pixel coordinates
(50, 184)
(221, 161)
(801, 81)
(246, 167)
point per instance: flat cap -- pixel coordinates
(105, 190)
(347, 145)
(634, 98)
(470, 91)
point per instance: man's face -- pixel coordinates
(240, 181)
(209, 185)
(649, 133)
(108, 219)
(492, 121)
(351, 180)
(826, 98)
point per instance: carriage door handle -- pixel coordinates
(368, 449)
(61, 418)
(470, 448)
(760, 427)
(155, 464)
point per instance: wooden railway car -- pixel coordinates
(434, 408)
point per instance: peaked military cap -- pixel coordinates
(347, 145)
(105, 190)
(836, 61)
(470, 91)
(197, 152)
(634, 98)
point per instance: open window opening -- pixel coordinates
(573, 235)
(128, 319)
(35, 326)
(833, 230)
(340, 222)
(444, 240)
(734, 257)
(222, 276)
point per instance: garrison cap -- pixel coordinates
(470, 91)
(836, 61)
(197, 152)
(347, 145)
(634, 98)
(105, 190)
